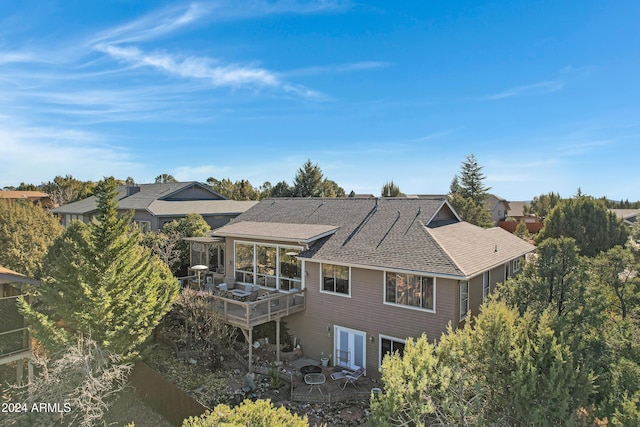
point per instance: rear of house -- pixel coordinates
(375, 271)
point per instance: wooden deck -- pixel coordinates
(247, 315)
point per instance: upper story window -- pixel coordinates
(464, 299)
(410, 290)
(335, 278)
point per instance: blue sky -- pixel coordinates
(545, 93)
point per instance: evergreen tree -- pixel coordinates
(224, 187)
(308, 181)
(100, 282)
(260, 413)
(243, 190)
(541, 205)
(26, 232)
(471, 181)
(594, 228)
(281, 189)
(390, 189)
(467, 194)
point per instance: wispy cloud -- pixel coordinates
(152, 25)
(336, 68)
(540, 88)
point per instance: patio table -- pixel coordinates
(314, 380)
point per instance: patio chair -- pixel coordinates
(348, 376)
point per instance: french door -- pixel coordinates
(349, 348)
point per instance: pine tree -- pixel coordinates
(308, 181)
(100, 282)
(390, 189)
(467, 194)
(471, 181)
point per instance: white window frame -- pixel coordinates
(390, 338)
(340, 294)
(516, 265)
(465, 300)
(255, 256)
(486, 285)
(411, 307)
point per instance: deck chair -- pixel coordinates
(348, 376)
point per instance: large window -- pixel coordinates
(245, 262)
(290, 269)
(486, 285)
(464, 299)
(271, 266)
(266, 266)
(410, 290)
(390, 346)
(335, 278)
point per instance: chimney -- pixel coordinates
(131, 190)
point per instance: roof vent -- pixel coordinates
(496, 249)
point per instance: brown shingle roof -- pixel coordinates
(476, 249)
(386, 233)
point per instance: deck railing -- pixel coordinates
(246, 314)
(14, 336)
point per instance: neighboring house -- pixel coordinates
(517, 212)
(374, 271)
(15, 341)
(154, 205)
(497, 207)
(628, 216)
(32, 196)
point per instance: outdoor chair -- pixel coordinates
(348, 376)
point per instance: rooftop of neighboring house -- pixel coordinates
(412, 234)
(33, 196)
(10, 276)
(629, 216)
(516, 209)
(165, 199)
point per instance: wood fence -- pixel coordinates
(510, 226)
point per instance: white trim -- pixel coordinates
(277, 238)
(340, 294)
(437, 211)
(411, 307)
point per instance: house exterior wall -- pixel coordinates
(365, 311)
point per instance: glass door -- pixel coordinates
(350, 348)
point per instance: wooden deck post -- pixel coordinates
(278, 340)
(250, 367)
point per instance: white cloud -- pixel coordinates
(544, 87)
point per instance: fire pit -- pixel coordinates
(310, 369)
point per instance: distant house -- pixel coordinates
(31, 196)
(154, 205)
(628, 216)
(497, 207)
(517, 212)
(15, 341)
(373, 271)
